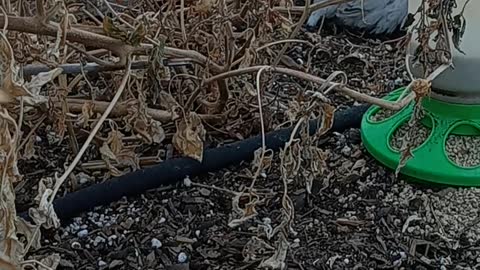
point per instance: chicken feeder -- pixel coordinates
(447, 139)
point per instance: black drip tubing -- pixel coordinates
(174, 170)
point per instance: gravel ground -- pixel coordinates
(357, 217)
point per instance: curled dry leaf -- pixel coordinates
(314, 164)
(13, 86)
(11, 249)
(242, 215)
(205, 6)
(133, 38)
(265, 163)
(277, 260)
(255, 247)
(328, 114)
(156, 131)
(142, 123)
(87, 113)
(190, 135)
(51, 261)
(291, 159)
(11, 82)
(27, 229)
(6, 263)
(45, 214)
(115, 150)
(29, 148)
(169, 103)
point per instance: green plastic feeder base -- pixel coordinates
(430, 162)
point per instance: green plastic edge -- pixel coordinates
(429, 162)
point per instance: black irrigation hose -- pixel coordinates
(176, 169)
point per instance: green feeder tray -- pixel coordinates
(430, 161)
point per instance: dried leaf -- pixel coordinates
(265, 163)
(106, 152)
(189, 137)
(11, 82)
(243, 214)
(27, 229)
(13, 86)
(156, 131)
(11, 249)
(45, 214)
(137, 36)
(405, 156)
(133, 38)
(277, 261)
(168, 102)
(112, 30)
(255, 247)
(6, 264)
(29, 148)
(87, 113)
(204, 6)
(458, 31)
(37, 82)
(51, 261)
(328, 114)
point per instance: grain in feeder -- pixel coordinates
(450, 155)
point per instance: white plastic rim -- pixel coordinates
(462, 81)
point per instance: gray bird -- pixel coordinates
(375, 17)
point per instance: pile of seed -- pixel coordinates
(417, 137)
(381, 115)
(463, 150)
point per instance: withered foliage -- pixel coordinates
(190, 84)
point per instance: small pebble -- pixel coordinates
(76, 245)
(82, 233)
(187, 182)
(182, 257)
(156, 244)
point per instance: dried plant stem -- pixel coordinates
(262, 126)
(34, 26)
(312, 78)
(40, 9)
(182, 20)
(121, 109)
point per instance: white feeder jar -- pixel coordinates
(460, 84)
